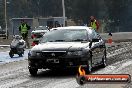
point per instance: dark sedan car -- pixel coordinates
(68, 47)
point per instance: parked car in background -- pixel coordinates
(68, 47)
(38, 33)
(53, 29)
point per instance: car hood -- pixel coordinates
(39, 31)
(60, 46)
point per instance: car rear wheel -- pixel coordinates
(33, 71)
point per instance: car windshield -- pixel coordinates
(66, 35)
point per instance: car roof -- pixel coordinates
(89, 29)
(41, 27)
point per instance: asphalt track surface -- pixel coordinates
(16, 75)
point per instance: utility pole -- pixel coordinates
(6, 20)
(63, 6)
(38, 2)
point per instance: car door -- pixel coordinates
(97, 49)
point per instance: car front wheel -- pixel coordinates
(88, 69)
(20, 55)
(11, 54)
(33, 71)
(104, 60)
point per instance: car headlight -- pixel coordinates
(77, 53)
(33, 53)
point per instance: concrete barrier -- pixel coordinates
(120, 36)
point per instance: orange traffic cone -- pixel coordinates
(110, 40)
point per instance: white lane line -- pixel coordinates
(4, 45)
(5, 52)
(13, 83)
